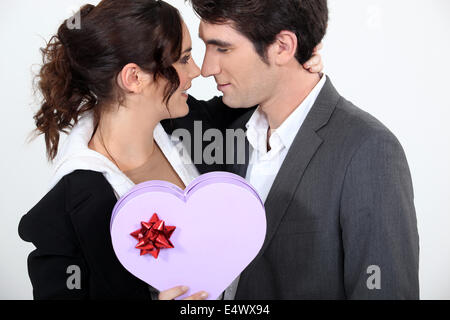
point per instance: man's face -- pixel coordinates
(244, 79)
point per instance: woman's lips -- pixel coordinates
(184, 93)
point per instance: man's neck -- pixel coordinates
(289, 94)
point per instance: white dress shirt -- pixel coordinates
(264, 165)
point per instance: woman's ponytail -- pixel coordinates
(65, 97)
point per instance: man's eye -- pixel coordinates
(222, 50)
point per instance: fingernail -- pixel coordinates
(204, 295)
(184, 288)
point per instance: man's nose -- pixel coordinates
(210, 67)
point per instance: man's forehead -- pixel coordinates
(224, 33)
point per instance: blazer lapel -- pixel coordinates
(286, 182)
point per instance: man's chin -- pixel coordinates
(231, 103)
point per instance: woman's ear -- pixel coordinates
(284, 48)
(132, 78)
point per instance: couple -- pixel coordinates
(334, 180)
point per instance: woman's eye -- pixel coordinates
(185, 60)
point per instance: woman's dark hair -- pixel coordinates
(261, 21)
(81, 62)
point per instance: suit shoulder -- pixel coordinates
(359, 124)
(356, 132)
(82, 181)
(73, 189)
(51, 213)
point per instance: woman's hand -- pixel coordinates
(171, 294)
(315, 64)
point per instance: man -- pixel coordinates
(337, 189)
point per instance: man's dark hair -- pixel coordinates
(262, 20)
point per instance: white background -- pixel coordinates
(391, 58)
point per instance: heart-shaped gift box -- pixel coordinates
(220, 226)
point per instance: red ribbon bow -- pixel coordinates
(153, 236)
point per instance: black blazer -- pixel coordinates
(70, 226)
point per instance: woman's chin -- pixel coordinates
(180, 111)
(185, 111)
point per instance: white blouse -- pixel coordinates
(75, 154)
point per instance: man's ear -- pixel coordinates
(132, 78)
(284, 48)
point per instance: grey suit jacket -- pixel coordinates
(341, 222)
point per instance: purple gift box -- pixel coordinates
(220, 227)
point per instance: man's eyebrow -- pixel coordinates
(219, 43)
(187, 50)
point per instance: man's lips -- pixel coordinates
(220, 87)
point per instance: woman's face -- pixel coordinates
(187, 70)
(148, 89)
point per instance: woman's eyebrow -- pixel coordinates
(187, 50)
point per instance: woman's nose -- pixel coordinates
(195, 71)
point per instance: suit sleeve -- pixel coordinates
(56, 268)
(378, 223)
(214, 113)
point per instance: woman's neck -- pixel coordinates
(125, 137)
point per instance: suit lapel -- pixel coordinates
(305, 145)
(288, 179)
(303, 149)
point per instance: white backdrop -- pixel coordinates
(388, 57)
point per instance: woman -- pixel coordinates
(111, 83)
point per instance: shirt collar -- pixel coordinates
(283, 136)
(257, 127)
(290, 127)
